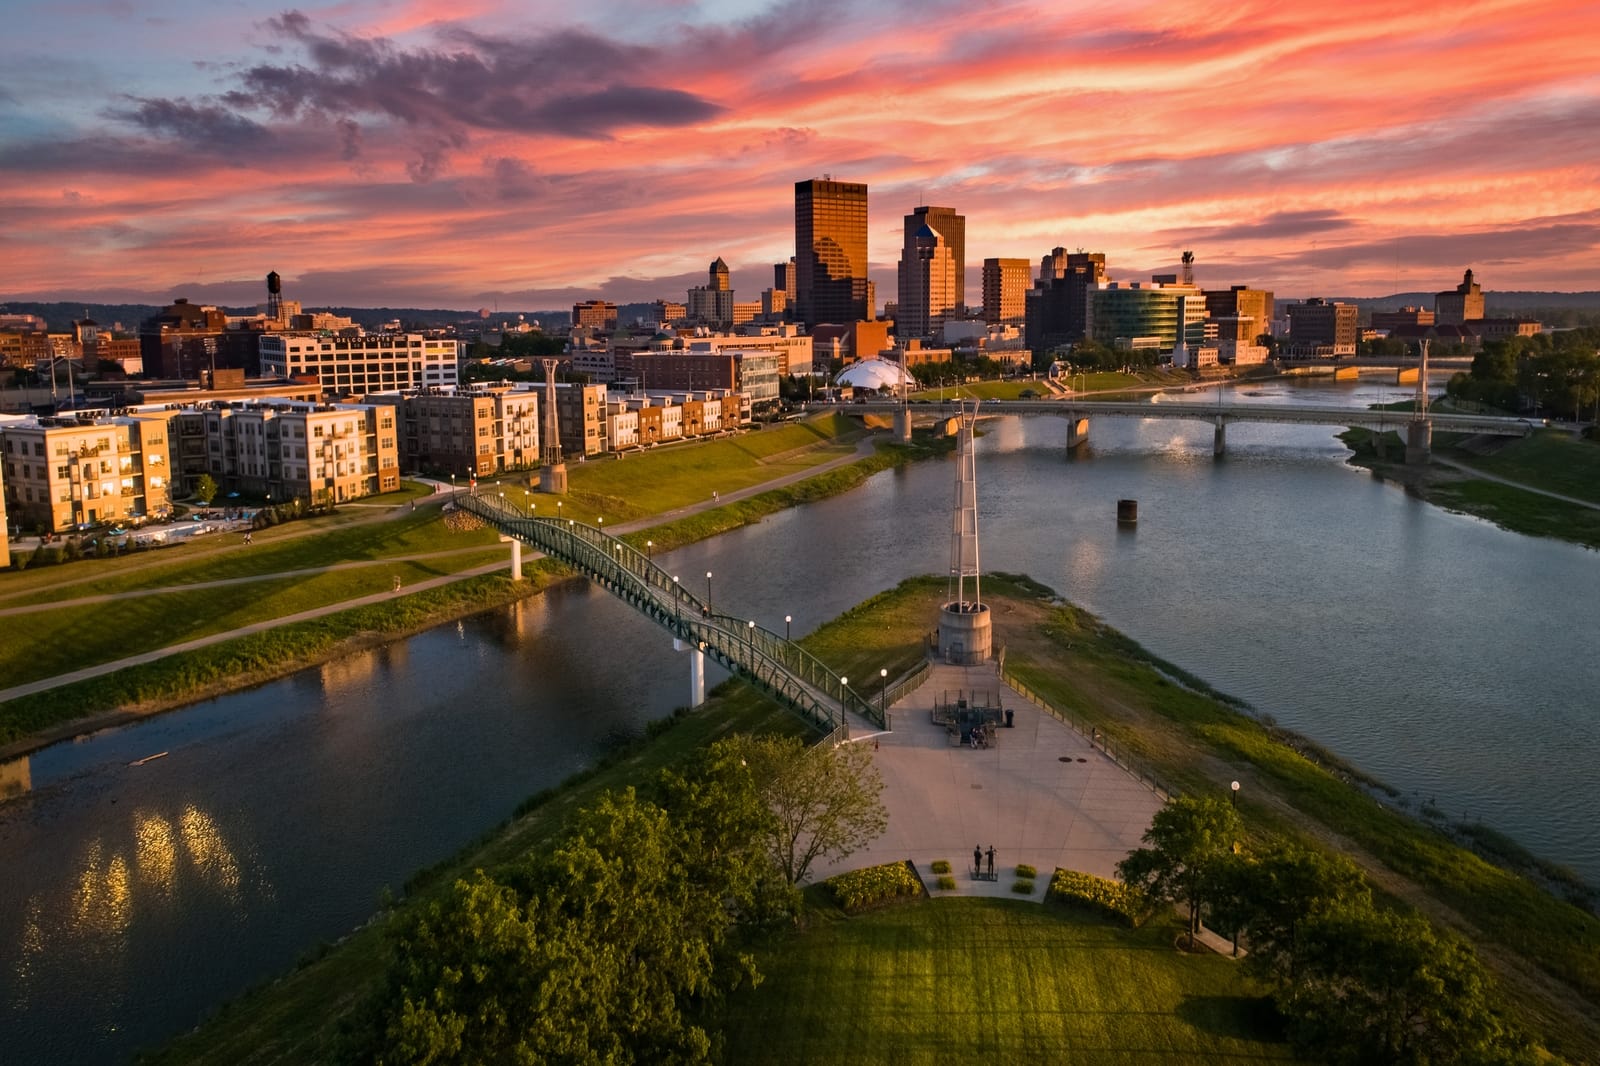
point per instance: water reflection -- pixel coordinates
(16, 777)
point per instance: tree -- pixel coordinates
(205, 490)
(825, 802)
(1190, 842)
(1382, 987)
(1272, 895)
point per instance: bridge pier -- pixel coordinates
(1219, 438)
(553, 479)
(902, 424)
(1419, 443)
(1077, 432)
(1407, 375)
(516, 559)
(697, 671)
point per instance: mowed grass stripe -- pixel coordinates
(968, 980)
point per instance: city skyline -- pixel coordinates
(414, 154)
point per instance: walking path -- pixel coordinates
(1475, 472)
(1042, 795)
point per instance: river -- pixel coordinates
(1440, 654)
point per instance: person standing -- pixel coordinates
(991, 860)
(977, 859)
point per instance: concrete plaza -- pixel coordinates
(1041, 795)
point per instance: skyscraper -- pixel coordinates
(1005, 290)
(830, 248)
(927, 283)
(1057, 305)
(953, 228)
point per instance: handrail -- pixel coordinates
(783, 668)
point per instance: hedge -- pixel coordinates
(1111, 898)
(860, 889)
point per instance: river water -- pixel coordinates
(1442, 655)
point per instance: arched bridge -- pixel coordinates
(772, 663)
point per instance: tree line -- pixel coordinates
(1354, 983)
(1555, 373)
(615, 943)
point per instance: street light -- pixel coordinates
(452, 484)
(650, 550)
(752, 631)
(844, 682)
(527, 501)
(883, 697)
(786, 620)
(1235, 787)
(708, 592)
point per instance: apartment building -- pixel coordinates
(64, 472)
(323, 453)
(476, 431)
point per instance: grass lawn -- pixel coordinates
(987, 390)
(1549, 460)
(71, 638)
(1519, 511)
(995, 981)
(411, 534)
(666, 478)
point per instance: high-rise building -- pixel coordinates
(953, 228)
(1321, 328)
(830, 243)
(595, 314)
(1458, 306)
(374, 362)
(711, 304)
(1242, 302)
(1146, 315)
(1057, 307)
(927, 283)
(1005, 290)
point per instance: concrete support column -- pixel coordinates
(553, 479)
(1380, 443)
(1219, 438)
(1077, 431)
(1419, 443)
(902, 424)
(697, 670)
(516, 559)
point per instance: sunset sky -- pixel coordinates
(524, 155)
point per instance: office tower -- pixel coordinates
(1005, 290)
(595, 314)
(1058, 304)
(1240, 301)
(927, 283)
(830, 243)
(1321, 328)
(953, 228)
(712, 304)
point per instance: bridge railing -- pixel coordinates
(777, 665)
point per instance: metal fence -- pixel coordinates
(1099, 739)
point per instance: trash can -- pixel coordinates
(1009, 713)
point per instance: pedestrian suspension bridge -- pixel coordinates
(769, 661)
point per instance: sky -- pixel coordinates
(523, 155)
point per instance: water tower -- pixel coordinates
(274, 297)
(966, 630)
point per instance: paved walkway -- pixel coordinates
(1042, 795)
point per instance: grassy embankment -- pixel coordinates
(968, 975)
(77, 636)
(1545, 950)
(1549, 459)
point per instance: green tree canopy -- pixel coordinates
(205, 489)
(825, 802)
(1190, 842)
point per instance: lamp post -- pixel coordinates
(527, 502)
(1235, 788)
(558, 510)
(708, 592)
(883, 694)
(650, 550)
(677, 601)
(452, 484)
(751, 630)
(844, 683)
(786, 620)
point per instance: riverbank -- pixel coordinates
(34, 721)
(1542, 950)
(1544, 485)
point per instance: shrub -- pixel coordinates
(942, 866)
(859, 889)
(1024, 870)
(1023, 886)
(947, 883)
(1111, 898)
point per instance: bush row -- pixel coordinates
(859, 889)
(1111, 898)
